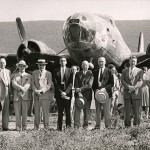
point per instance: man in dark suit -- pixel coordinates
(83, 86)
(132, 81)
(103, 78)
(70, 91)
(61, 78)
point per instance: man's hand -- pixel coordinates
(21, 94)
(78, 90)
(99, 84)
(131, 89)
(38, 92)
(22, 89)
(80, 94)
(63, 94)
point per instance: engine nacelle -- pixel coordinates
(31, 50)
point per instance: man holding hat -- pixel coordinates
(4, 93)
(41, 84)
(21, 83)
(102, 85)
(83, 88)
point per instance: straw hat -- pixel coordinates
(101, 96)
(22, 62)
(41, 61)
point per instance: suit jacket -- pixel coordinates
(19, 81)
(85, 82)
(135, 81)
(3, 84)
(57, 81)
(43, 83)
(70, 85)
(107, 81)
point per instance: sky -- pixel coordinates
(31, 10)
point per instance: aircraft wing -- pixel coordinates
(51, 59)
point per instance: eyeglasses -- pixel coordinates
(22, 66)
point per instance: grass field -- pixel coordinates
(50, 32)
(118, 138)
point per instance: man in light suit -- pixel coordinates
(21, 83)
(83, 86)
(103, 78)
(132, 81)
(4, 93)
(41, 84)
(61, 81)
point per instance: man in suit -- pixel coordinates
(83, 86)
(132, 81)
(103, 78)
(4, 93)
(21, 83)
(71, 89)
(61, 81)
(41, 84)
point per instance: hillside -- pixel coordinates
(50, 32)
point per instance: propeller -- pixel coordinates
(21, 30)
(23, 37)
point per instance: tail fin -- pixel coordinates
(141, 43)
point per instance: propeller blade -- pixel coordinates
(21, 30)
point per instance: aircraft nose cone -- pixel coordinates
(74, 31)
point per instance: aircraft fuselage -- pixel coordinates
(90, 36)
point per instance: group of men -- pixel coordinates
(73, 88)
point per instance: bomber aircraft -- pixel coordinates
(86, 36)
(89, 36)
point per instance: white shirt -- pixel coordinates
(148, 75)
(62, 70)
(84, 72)
(131, 70)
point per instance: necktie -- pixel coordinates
(73, 82)
(101, 75)
(21, 79)
(131, 73)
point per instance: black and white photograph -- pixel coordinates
(74, 74)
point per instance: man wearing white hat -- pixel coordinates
(103, 81)
(4, 93)
(41, 84)
(21, 83)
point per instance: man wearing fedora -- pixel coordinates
(61, 82)
(4, 93)
(41, 84)
(103, 82)
(132, 81)
(21, 83)
(83, 87)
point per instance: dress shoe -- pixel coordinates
(5, 129)
(96, 128)
(18, 129)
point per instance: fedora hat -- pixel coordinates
(22, 62)
(80, 102)
(41, 61)
(101, 96)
